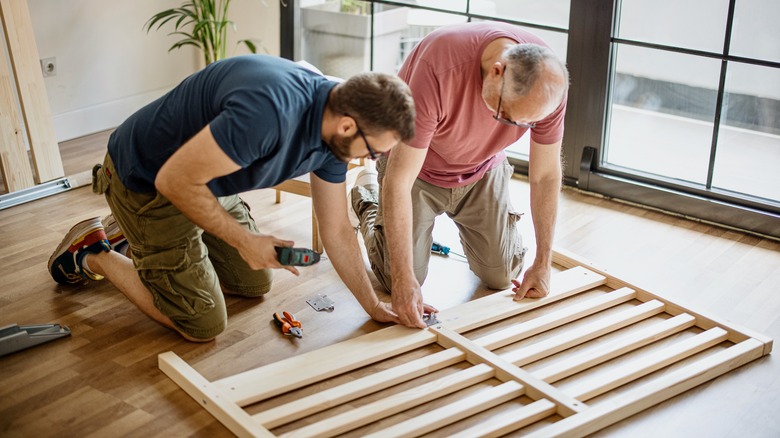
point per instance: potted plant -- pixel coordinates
(200, 23)
(336, 36)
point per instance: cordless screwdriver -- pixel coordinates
(296, 256)
(438, 248)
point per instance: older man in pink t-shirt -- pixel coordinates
(478, 87)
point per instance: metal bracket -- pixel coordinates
(430, 319)
(14, 337)
(321, 302)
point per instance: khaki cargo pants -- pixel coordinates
(486, 222)
(180, 264)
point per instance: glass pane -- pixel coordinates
(692, 24)
(336, 36)
(449, 5)
(546, 12)
(748, 155)
(662, 117)
(752, 18)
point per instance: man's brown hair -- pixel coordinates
(378, 102)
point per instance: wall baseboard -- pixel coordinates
(96, 118)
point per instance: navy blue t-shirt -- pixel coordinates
(265, 113)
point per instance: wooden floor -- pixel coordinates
(104, 381)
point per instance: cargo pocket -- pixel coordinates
(181, 289)
(100, 180)
(519, 251)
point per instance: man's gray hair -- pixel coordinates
(528, 63)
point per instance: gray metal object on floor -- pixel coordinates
(15, 337)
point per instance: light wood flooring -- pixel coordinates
(103, 380)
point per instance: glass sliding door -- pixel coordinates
(693, 110)
(673, 104)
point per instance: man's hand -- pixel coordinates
(536, 283)
(259, 251)
(383, 312)
(408, 303)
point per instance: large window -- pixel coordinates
(674, 104)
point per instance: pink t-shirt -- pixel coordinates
(453, 122)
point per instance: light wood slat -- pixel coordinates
(737, 333)
(613, 349)
(320, 401)
(260, 383)
(273, 379)
(218, 405)
(32, 90)
(554, 319)
(395, 403)
(505, 371)
(510, 421)
(654, 392)
(580, 335)
(499, 305)
(14, 164)
(453, 412)
(628, 372)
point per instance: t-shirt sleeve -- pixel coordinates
(247, 128)
(335, 171)
(550, 129)
(427, 102)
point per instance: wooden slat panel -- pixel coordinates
(652, 393)
(580, 335)
(273, 379)
(230, 414)
(260, 383)
(507, 422)
(535, 388)
(32, 91)
(499, 305)
(14, 164)
(551, 320)
(613, 349)
(628, 372)
(320, 401)
(737, 333)
(451, 413)
(395, 403)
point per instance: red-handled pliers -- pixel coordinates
(289, 325)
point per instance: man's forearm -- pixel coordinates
(344, 251)
(200, 206)
(398, 230)
(544, 212)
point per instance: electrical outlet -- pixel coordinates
(49, 66)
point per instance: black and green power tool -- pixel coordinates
(296, 256)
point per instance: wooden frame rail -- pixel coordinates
(35, 113)
(595, 351)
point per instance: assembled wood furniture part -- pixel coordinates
(23, 77)
(595, 351)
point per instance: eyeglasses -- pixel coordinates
(371, 153)
(498, 109)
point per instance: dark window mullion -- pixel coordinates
(721, 95)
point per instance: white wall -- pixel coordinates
(108, 66)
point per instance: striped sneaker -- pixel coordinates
(86, 237)
(115, 235)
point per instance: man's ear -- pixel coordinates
(346, 126)
(497, 69)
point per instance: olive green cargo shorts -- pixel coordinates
(180, 264)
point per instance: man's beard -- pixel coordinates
(341, 147)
